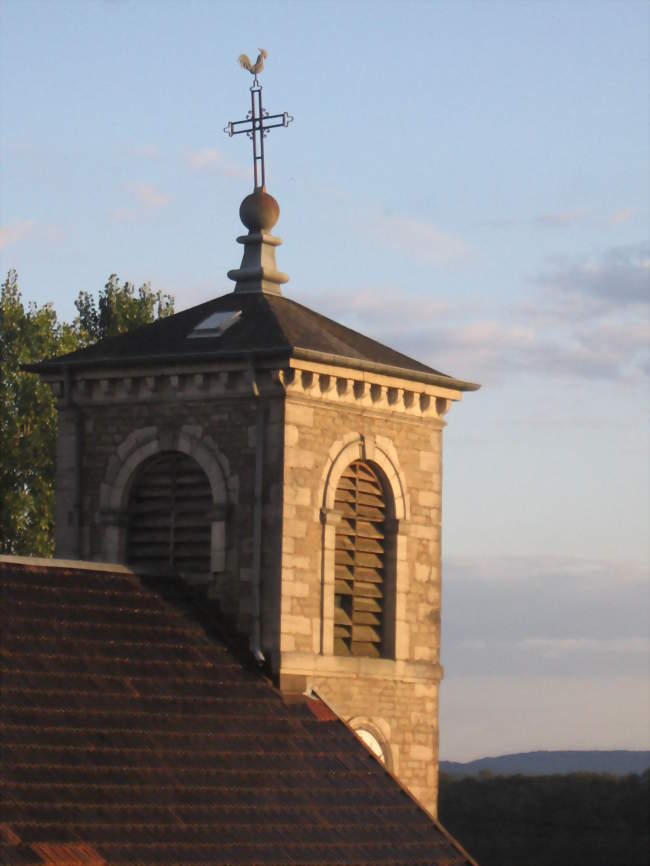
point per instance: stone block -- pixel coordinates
(428, 498)
(421, 753)
(423, 654)
(297, 413)
(287, 643)
(294, 588)
(291, 435)
(428, 461)
(294, 528)
(298, 458)
(296, 625)
(297, 495)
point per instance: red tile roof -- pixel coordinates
(132, 733)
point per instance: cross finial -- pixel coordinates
(258, 121)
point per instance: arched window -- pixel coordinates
(169, 515)
(360, 552)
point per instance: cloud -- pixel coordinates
(561, 219)
(123, 215)
(564, 219)
(211, 159)
(15, 232)
(583, 572)
(54, 233)
(619, 277)
(419, 238)
(622, 215)
(146, 151)
(585, 320)
(501, 714)
(556, 647)
(545, 615)
(379, 308)
(149, 196)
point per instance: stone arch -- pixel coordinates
(380, 452)
(121, 472)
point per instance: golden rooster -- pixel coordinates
(256, 68)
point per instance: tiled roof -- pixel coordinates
(270, 326)
(133, 733)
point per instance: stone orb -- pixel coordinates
(259, 211)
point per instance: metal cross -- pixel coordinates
(256, 126)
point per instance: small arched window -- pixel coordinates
(169, 521)
(360, 579)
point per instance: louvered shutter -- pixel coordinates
(169, 523)
(359, 562)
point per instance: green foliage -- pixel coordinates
(27, 423)
(119, 309)
(579, 818)
(28, 415)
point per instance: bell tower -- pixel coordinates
(290, 465)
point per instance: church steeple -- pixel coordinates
(259, 211)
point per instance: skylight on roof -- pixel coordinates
(216, 324)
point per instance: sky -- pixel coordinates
(465, 181)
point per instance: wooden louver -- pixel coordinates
(169, 522)
(359, 562)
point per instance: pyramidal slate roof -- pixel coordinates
(269, 327)
(133, 734)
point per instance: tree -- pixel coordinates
(28, 416)
(119, 309)
(27, 422)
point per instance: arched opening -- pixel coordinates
(362, 567)
(169, 515)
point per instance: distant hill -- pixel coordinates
(619, 763)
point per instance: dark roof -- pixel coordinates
(132, 733)
(270, 326)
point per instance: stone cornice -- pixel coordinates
(303, 379)
(365, 390)
(161, 384)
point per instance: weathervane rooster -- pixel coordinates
(257, 67)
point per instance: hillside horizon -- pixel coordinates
(619, 762)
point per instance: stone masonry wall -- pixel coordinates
(110, 415)
(399, 696)
(314, 426)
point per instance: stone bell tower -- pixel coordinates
(292, 466)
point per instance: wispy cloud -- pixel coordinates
(557, 647)
(149, 196)
(585, 319)
(562, 219)
(54, 233)
(211, 159)
(545, 614)
(497, 713)
(565, 219)
(420, 238)
(379, 308)
(15, 232)
(588, 574)
(123, 215)
(146, 151)
(623, 215)
(619, 277)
